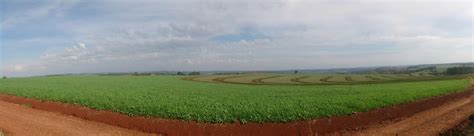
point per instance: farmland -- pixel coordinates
(235, 98)
(316, 79)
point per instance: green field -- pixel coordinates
(174, 98)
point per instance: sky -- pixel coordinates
(91, 36)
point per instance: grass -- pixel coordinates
(173, 98)
(338, 78)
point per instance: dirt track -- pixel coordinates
(430, 122)
(19, 120)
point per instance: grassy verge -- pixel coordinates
(171, 97)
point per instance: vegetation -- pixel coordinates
(318, 79)
(459, 70)
(194, 73)
(171, 97)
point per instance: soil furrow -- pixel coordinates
(299, 80)
(260, 80)
(326, 79)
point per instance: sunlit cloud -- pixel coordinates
(110, 36)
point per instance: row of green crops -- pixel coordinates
(171, 97)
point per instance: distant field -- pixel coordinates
(317, 79)
(206, 101)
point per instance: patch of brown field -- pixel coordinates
(299, 79)
(20, 120)
(260, 80)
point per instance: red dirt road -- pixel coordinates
(18, 120)
(430, 122)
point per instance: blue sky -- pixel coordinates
(79, 36)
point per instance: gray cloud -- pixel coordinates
(180, 35)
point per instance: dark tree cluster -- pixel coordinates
(194, 73)
(459, 70)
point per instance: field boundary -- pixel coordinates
(178, 127)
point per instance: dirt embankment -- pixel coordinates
(405, 118)
(433, 121)
(21, 120)
(465, 128)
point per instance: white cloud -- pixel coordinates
(171, 35)
(25, 15)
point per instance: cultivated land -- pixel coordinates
(235, 98)
(317, 79)
(21, 120)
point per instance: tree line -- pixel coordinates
(459, 70)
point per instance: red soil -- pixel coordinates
(20, 120)
(177, 127)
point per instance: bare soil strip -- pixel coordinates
(298, 80)
(430, 122)
(310, 127)
(223, 79)
(260, 80)
(326, 79)
(20, 120)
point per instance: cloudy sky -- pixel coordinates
(76, 36)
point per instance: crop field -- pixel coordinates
(316, 79)
(215, 98)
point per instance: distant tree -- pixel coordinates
(296, 72)
(194, 73)
(135, 74)
(433, 69)
(436, 73)
(4, 77)
(180, 73)
(459, 70)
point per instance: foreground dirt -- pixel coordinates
(430, 122)
(20, 120)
